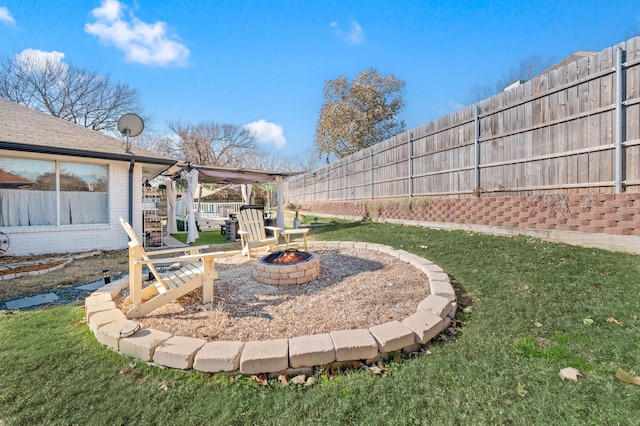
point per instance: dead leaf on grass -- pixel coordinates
(333, 373)
(126, 371)
(260, 379)
(570, 373)
(627, 378)
(615, 321)
(376, 370)
(356, 364)
(520, 390)
(283, 379)
(299, 380)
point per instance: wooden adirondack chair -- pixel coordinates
(252, 231)
(196, 271)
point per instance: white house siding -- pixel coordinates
(81, 238)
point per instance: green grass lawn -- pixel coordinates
(206, 237)
(525, 305)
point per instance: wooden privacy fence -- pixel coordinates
(575, 129)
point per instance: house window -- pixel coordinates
(47, 192)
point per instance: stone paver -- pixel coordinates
(309, 351)
(95, 297)
(424, 324)
(218, 356)
(28, 302)
(264, 356)
(93, 308)
(143, 344)
(178, 352)
(354, 344)
(105, 317)
(442, 288)
(437, 305)
(412, 259)
(112, 288)
(109, 334)
(91, 286)
(392, 336)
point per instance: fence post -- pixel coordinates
(410, 147)
(618, 152)
(371, 170)
(346, 183)
(476, 143)
(326, 184)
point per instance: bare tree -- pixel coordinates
(306, 162)
(73, 94)
(212, 144)
(360, 113)
(526, 70)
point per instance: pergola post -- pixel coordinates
(280, 196)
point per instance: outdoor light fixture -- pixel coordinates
(105, 276)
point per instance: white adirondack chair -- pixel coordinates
(252, 231)
(197, 270)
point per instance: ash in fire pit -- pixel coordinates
(287, 256)
(287, 267)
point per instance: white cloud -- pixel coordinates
(144, 43)
(267, 132)
(354, 36)
(40, 59)
(6, 17)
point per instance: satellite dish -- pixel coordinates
(130, 125)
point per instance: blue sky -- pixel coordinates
(264, 63)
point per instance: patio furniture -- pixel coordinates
(287, 233)
(252, 231)
(231, 229)
(207, 223)
(196, 271)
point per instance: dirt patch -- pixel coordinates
(80, 271)
(355, 289)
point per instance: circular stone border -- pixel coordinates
(33, 264)
(296, 355)
(283, 274)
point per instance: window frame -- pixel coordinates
(58, 161)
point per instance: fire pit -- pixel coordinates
(287, 267)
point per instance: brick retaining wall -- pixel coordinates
(606, 214)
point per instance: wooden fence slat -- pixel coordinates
(540, 137)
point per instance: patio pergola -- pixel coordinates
(196, 175)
